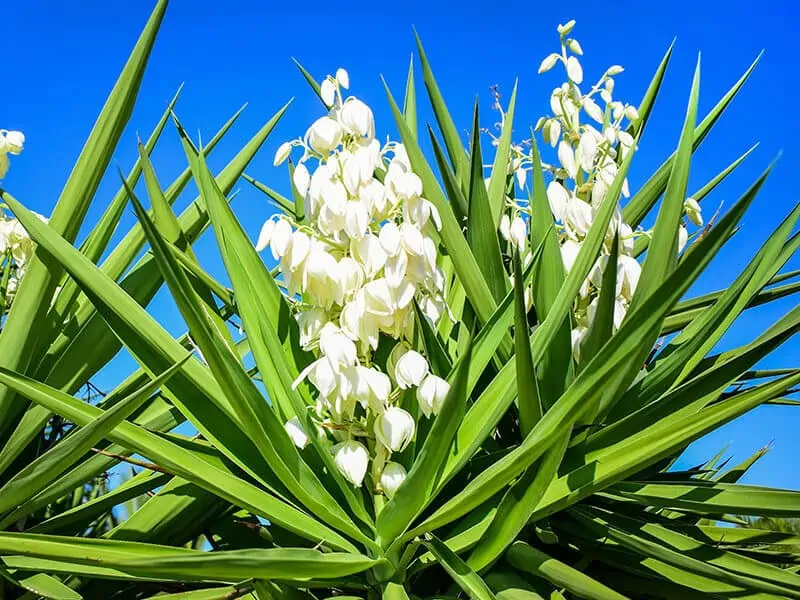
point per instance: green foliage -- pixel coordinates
(544, 475)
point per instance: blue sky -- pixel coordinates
(61, 60)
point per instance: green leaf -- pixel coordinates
(311, 81)
(452, 141)
(36, 476)
(528, 397)
(602, 326)
(44, 586)
(502, 158)
(528, 559)
(663, 252)
(465, 578)
(555, 365)
(410, 100)
(481, 232)
(641, 203)
(179, 461)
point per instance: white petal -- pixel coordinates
(574, 70)
(343, 78)
(282, 153)
(328, 92)
(265, 234)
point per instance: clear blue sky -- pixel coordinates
(62, 58)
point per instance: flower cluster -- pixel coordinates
(591, 134)
(16, 247)
(353, 268)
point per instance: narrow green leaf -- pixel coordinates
(410, 100)
(502, 158)
(467, 579)
(530, 407)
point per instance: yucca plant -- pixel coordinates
(463, 385)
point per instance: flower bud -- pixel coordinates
(587, 150)
(566, 28)
(394, 428)
(614, 70)
(328, 92)
(683, 238)
(631, 113)
(431, 394)
(356, 118)
(692, 209)
(549, 62)
(296, 431)
(280, 238)
(351, 459)
(282, 153)
(13, 142)
(342, 78)
(575, 47)
(393, 475)
(574, 70)
(324, 135)
(557, 198)
(337, 347)
(593, 110)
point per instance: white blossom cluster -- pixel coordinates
(16, 247)
(589, 131)
(353, 268)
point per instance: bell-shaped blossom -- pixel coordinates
(356, 118)
(505, 226)
(327, 91)
(683, 238)
(310, 323)
(518, 234)
(558, 198)
(566, 157)
(408, 366)
(431, 394)
(569, 252)
(297, 432)
(301, 179)
(337, 347)
(324, 135)
(395, 428)
(587, 151)
(352, 459)
(369, 387)
(579, 216)
(342, 78)
(392, 476)
(369, 253)
(280, 238)
(265, 235)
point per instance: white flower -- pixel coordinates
(328, 92)
(567, 158)
(566, 28)
(552, 132)
(324, 135)
(337, 347)
(390, 239)
(265, 234)
(280, 238)
(505, 226)
(310, 323)
(569, 252)
(296, 431)
(356, 219)
(395, 428)
(579, 216)
(692, 208)
(393, 475)
(683, 238)
(587, 150)
(301, 179)
(282, 153)
(356, 118)
(628, 273)
(518, 234)
(410, 367)
(12, 142)
(431, 394)
(351, 459)
(577, 339)
(614, 70)
(369, 253)
(549, 62)
(342, 78)
(558, 198)
(631, 113)
(369, 387)
(592, 109)
(574, 70)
